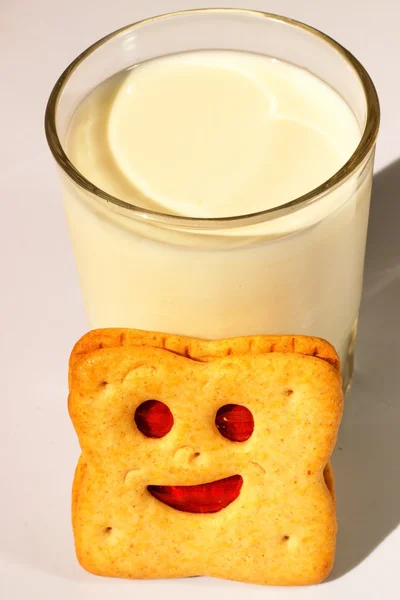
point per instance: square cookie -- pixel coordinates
(205, 458)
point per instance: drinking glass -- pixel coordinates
(293, 269)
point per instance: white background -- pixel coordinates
(41, 317)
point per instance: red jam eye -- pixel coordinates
(154, 419)
(235, 422)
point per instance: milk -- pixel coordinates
(216, 134)
(212, 133)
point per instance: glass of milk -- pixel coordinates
(216, 169)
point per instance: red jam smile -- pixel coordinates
(204, 498)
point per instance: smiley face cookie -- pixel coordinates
(205, 458)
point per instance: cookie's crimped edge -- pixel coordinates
(204, 350)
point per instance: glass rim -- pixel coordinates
(363, 149)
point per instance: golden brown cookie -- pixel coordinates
(224, 472)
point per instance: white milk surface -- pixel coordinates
(212, 133)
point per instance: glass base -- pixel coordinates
(348, 357)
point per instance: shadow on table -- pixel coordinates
(367, 458)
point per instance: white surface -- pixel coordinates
(42, 316)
